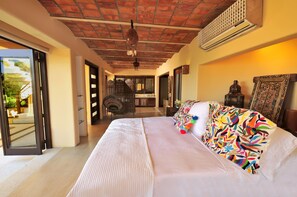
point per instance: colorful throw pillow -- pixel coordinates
(184, 109)
(240, 135)
(185, 122)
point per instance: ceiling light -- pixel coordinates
(132, 52)
(136, 64)
(132, 40)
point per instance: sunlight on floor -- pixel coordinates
(15, 169)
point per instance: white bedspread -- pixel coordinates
(175, 165)
(119, 165)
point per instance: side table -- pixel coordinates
(170, 111)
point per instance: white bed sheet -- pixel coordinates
(174, 165)
(120, 164)
(184, 166)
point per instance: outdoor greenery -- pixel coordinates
(13, 83)
(10, 102)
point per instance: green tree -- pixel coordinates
(22, 66)
(12, 85)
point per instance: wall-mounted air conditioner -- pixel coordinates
(239, 18)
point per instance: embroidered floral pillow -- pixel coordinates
(184, 109)
(185, 122)
(239, 135)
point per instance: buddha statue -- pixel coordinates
(234, 97)
(235, 88)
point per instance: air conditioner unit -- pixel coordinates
(239, 18)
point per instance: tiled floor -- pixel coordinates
(139, 113)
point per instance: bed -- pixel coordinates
(150, 157)
(205, 149)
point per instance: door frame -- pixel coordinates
(166, 75)
(40, 109)
(177, 90)
(40, 57)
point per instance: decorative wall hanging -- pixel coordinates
(186, 69)
(270, 94)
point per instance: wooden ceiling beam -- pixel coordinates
(142, 57)
(140, 41)
(132, 67)
(101, 49)
(125, 23)
(128, 62)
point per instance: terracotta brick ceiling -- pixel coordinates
(163, 26)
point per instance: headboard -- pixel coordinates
(269, 95)
(290, 121)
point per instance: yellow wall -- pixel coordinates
(216, 78)
(189, 81)
(134, 72)
(279, 24)
(61, 91)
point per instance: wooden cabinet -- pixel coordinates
(139, 84)
(143, 102)
(151, 102)
(143, 86)
(137, 102)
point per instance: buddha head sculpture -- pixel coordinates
(235, 88)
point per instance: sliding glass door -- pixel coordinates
(23, 102)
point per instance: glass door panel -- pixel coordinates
(18, 126)
(139, 85)
(18, 102)
(149, 85)
(177, 84)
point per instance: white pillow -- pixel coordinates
(281, 145)
(200, 109)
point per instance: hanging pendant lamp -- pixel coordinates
(132, 40)
(132, 36)
(136, 64)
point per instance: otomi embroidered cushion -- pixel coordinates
(239, 135)
(185, 122)
(184, 109)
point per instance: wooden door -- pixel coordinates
(94, 95)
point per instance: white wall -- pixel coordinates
(279, 24)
